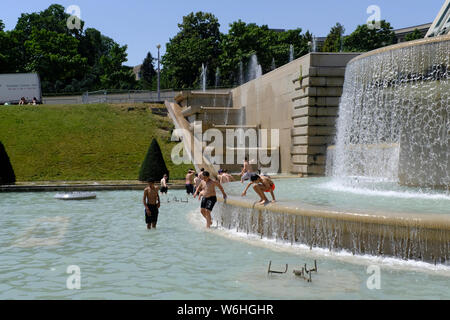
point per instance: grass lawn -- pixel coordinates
(84, 142)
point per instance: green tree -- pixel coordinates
(54, 18)
(415, 35)
(197, 43)
(114, 74)
(7, 175)
(148, 70)
(334, 40)
(54, 56)
(2, 25)
(366, 39)
(244, 40)
(67, 60)
(153, 168)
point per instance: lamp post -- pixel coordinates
(159, 71)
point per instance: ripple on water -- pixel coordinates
(120, 259)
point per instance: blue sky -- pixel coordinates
(143, 24)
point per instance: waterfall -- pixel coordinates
(203, 76)
(291, 53)
(254, 68)
(217, 82)
(394, 117)
(241, 73)
(336, 235)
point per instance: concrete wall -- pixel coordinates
(268, 102)
(315, 102)
(300, 99)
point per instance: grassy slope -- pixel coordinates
(83, 142)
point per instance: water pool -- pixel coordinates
(120, 259)
(369, 195)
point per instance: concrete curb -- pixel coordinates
(87, 187)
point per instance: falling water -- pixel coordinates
(314, 44)
(394, 117)
(241, 73)
(291, 53)
(217, 82)
(254, 68)
(204, 70)
(336, 235)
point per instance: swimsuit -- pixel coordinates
(163, 189)
(189, 188)
(273, 188)
(153, 218)
(247, 175)
(208, 203)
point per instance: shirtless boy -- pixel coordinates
(246, 170)
(209, 196)
(164, 186)
(261, 185)
(152, 204)
(190, 181)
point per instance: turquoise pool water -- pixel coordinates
(369, 195)
(118, 258)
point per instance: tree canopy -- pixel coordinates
(83, 59)
(366, 39)
(67, 60)
(148, 70)
(415, 35)
(197, 43)
(334, 40)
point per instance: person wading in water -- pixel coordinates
(209, 196)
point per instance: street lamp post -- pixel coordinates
(159, 71)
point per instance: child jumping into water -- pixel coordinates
(209, 196)
(261, 185)
(152, 204)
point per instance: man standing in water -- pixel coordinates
(152, 204)
(209, 196)
(246, 170)
(190, 181)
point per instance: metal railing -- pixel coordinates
(131, 96)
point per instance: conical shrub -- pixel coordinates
(153, 167)
(7, 175)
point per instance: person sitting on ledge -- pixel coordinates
(261, 185)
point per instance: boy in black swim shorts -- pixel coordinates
(209, 196)
(152, 203)
(208, 203)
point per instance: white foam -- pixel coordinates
(334, 186)
(345, 256)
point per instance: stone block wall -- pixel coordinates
(318, 87)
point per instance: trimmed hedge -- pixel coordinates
(153, 168)
(7, 175)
